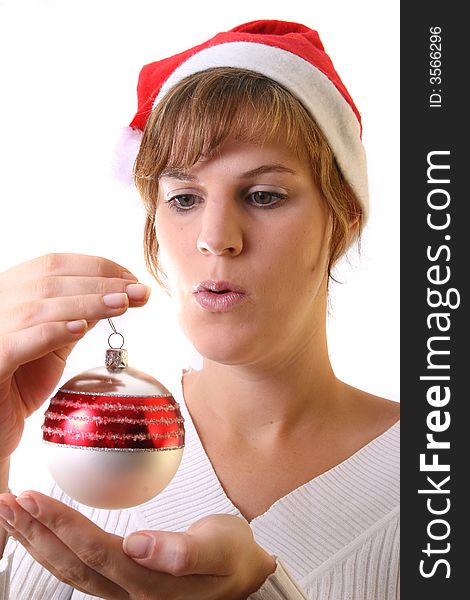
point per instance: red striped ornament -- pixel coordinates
(113, 436)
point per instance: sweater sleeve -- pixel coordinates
(280, 585)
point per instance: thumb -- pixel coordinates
(207, 548)
(164, 551)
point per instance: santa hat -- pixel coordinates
(290, 54)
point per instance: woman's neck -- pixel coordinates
(276, 396)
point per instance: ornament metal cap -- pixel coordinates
(116, 358)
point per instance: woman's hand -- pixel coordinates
(46, 306)
(217, 558)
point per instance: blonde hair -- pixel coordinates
(203, 110)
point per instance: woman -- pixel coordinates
(252, 172)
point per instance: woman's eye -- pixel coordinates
(261, 198)
(182, 202)
(268, 199)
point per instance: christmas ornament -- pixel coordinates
(113, 436)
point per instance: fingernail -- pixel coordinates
(138, 545)
(127, 275)
(115, 300)
(76, 326)
(137, 291)
(28, 504)
(6, 512)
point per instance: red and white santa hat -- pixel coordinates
(289, 53)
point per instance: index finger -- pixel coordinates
(84, 265)
(49, 551)
(97, 549)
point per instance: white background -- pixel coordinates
(68, 71)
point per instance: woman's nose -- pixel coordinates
(221, 231)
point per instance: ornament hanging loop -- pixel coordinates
(115, 332)
(116, 358)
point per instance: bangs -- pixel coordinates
(198, 114)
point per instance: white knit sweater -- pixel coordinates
(335, 537)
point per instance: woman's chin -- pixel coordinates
(228, 346)
(223, 353)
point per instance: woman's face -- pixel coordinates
(250, 220)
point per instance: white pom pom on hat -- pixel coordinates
(126, 148)
(289, 53)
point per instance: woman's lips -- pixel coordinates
(218, 296)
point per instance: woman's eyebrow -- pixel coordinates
(178, 174)
(272, 168)
(261, 170)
